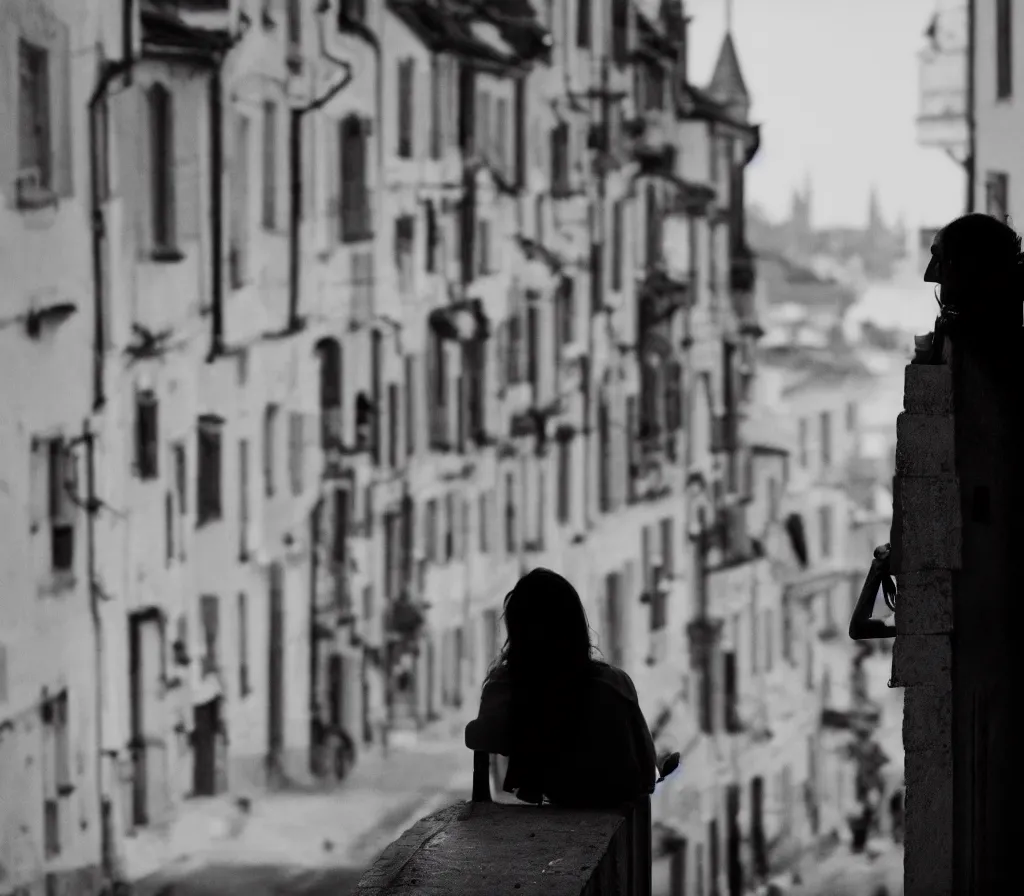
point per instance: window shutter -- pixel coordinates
(39, 482)
(8, 107)
(62, 111)
(187, 155)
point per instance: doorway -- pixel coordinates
(207, 728)
(145, 689)
(275, 674)
(757, 837)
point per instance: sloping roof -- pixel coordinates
(450, 29)
(727, 83)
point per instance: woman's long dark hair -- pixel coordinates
(547, 658)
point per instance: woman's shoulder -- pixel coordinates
(615, 678)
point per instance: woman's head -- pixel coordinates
(546, 626)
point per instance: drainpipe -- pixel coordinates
(217, 209)
(92, 507)
(108, 73)
(972, 135)
(295, 174)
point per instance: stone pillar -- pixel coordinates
(955, 530)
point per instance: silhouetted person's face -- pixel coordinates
(933, 273)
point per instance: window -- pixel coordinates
(483, 522)
(533, 348)
(356, 223)
(54, 487)
(851, 416)
(405, 242)
(394, 405)
(209, 613)
(802, 442)
(563, 505)
(293, 23)
(511, 533)
(501, 140)
(769, 639)
(35, 137)
(208, 502)
(270, 414)
(668, 550)
(180, 479)
(730, 692)
(342, 524)
(243, 499)
(296, 451)
(411, 414)
(436, 109)
(826, 439)
(484, 136)
(584, 25)
(244, 682)
(483, 247)
(406, 96)
(433, 236)
(1004, 49)
(430, 530)
(825, 529)
(620, 32)
(161, 161)
(146, 437)
(449, 526)
(521, 105)
(57, 780)
(997, 190)
(787, 629)
(774, 498)
(618, 245)
(238, 250)
(560, 174)
(269, 165)
(376, 395)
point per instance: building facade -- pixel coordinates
(372, 308)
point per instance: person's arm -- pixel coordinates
(863, 626)
(644, 741)
(490, 730)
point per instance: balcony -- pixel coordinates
(483, 848)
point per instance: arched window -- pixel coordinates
(161, 162)
(329, 352)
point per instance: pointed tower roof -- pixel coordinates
(727, 83)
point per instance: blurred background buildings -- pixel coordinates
(324, 320)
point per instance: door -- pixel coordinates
(734, 868)
(757, 838)
(677, 869)
(145, 685)
(275, 668)
(714, 861)
(205, 734)
(335, 691)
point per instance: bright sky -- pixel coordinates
(834, 86)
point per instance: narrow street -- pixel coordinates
(299, 843)
(845, 874)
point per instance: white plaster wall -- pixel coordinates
(999, 122)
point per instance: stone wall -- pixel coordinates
(926, 544)
(478, 849)
(957, 539)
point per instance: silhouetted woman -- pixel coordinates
(570, 724)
